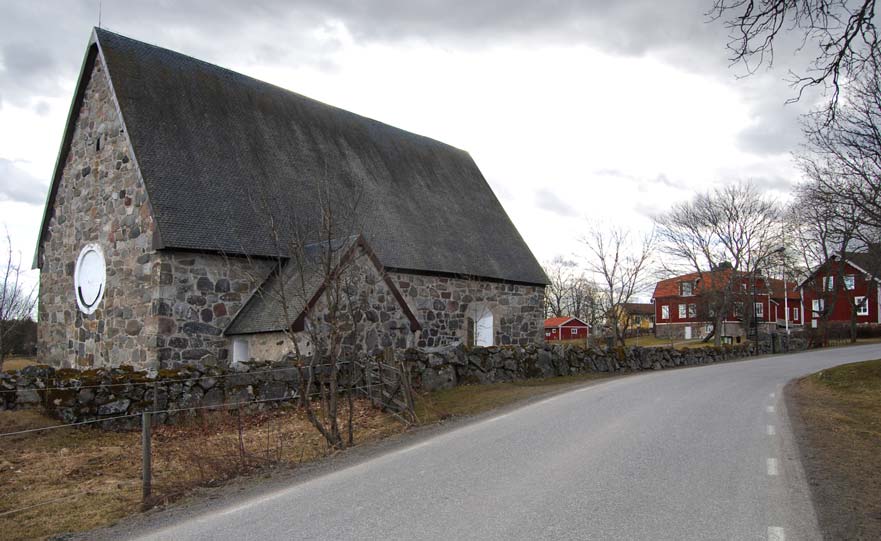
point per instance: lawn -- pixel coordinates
(837, 417)
(88, 478)
(17, 363)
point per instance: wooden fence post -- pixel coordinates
(147, 465)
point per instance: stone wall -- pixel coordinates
(197, 296)
(74, 395)
(443, 305)
(444, 368)
(374, 321)
(77, 395)
(100, 199)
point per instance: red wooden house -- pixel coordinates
(839, 286)
(559, 329)
(682, 308)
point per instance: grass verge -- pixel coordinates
(92, 476)
(473, 399)
(837, 420)
(17, 363)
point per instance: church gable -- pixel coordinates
(97, 204)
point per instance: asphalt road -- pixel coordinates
(696, 453)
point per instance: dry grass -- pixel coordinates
(840, 410)
(17, 363)
(472, 399)
(96, 474)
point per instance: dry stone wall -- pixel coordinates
(76, 395)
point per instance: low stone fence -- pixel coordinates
(74, 395)
(445, 368)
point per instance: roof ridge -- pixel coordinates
(261, 82)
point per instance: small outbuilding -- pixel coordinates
(565, 329)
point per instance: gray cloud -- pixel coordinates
(17, 185)
(547, 200)
(41, 43)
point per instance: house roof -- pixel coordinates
(669, 287)
(639, 308)
(560, 321)
(867, 262)
(715, 279)
(285, 298)
(220, 152)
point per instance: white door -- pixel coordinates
(688, 333)
(484, 329)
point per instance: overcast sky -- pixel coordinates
(574, 111)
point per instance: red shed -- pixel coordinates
(560, 329)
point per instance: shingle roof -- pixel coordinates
(557, 321)
(219, 151)
(715, 279)
(284, 298)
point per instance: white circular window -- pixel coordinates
(89, 277)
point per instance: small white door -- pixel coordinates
(688, 333)
(484, 329)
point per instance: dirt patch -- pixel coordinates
(836, 417)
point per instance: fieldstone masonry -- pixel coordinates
(100, 199)
(197, 297)
(444, 305)
(167, 308)
(76, 395)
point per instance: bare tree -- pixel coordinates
(17, 300)
(557, 292)
(621, 261)
(722, 235)
(842, 32)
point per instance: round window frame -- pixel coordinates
(80, 302)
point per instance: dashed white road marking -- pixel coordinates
(770, 409)
(772, 466)
(776, 533)
(771, 430)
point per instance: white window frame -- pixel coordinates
(692, 310)
(862, 305)
(682, 289)
(817, 305)
(850, 281)
(759, 310)
(794, 314)
(683, 310)
(573, 330)
(829, 283)
(665, 312)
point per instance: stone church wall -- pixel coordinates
(197, 296)
(443, 305)
(100, 199)
(379, 321)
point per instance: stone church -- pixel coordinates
(184, 194)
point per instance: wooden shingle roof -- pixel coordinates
(219, 152)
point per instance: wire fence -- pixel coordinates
(204, 449)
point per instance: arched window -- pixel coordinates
(483, 329)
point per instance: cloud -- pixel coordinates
(551, 202)
(17, 185)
